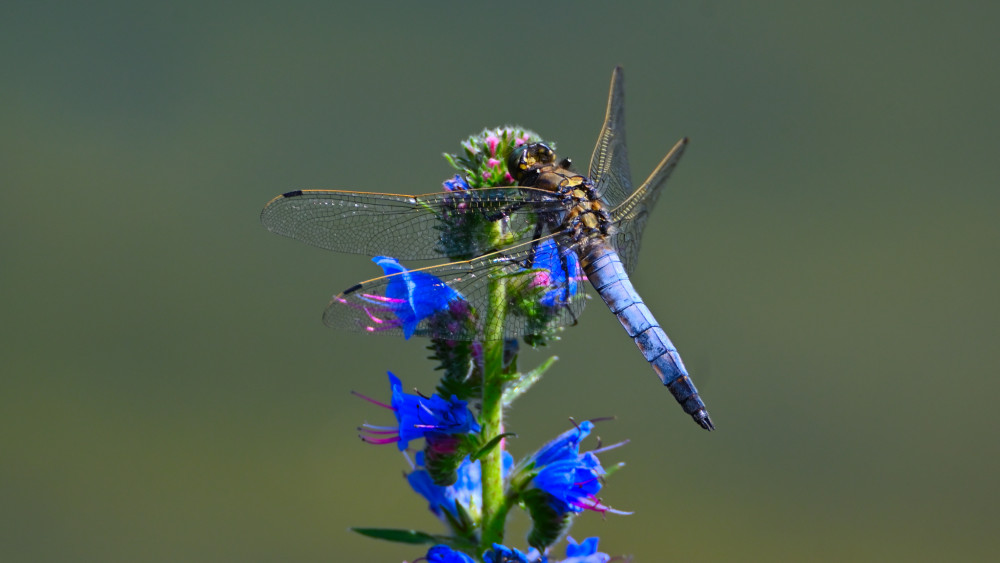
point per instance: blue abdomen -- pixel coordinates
(607, 275)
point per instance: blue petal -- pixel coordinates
(566, 446)
(570, 483)
(586, 547)
(445, 554)
(547, 257)
(437, 500)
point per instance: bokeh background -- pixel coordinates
(826, 258)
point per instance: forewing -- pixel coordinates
(408, 227)
(630, 217)
(372, 307)
(609, 169)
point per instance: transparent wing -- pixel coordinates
(630, 216)
(411, 227)
(542, 283)
(609, 168)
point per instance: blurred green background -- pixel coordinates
(826, 258)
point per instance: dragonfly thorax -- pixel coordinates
(534, 165)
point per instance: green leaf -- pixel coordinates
(401, 536)
(490, 445)
(517, 389)
(463, 526)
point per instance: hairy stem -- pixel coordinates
(494, 506)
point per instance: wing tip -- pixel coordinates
(277, 198)
(676, 151)
(267, 214)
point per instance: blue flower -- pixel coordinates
(431, 417)
(504, 554)
(584, 552)
(445, 554)
(413, 295)
(457, 183)
(560, 482)
(553, 272)
(466, 494)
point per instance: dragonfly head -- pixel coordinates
(526, 158)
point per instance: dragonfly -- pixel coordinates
(551, 229)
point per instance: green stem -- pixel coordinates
(494, 506)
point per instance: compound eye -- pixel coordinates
(516, 162)
(524, 158)
(543, 154)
